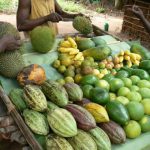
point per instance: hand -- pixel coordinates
(9, 131)
(137, 11)
(54, 17)
(10, 43)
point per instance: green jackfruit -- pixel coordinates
(7, 28)
(42, 39)
(11, 63)
(83, 25)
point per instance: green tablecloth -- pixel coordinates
(45, 60)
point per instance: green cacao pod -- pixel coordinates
(84, 119)
(74, 91)
(35, 98)
(100, 138)
(82, 141)
(55, 92)
(55, 142)
(62, 122)
(36, 122)
(16, 96)
(51, 106)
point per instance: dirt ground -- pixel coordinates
(115, 23)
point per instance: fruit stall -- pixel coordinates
(78, 93)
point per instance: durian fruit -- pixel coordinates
(7, 28)
(11, 63)
(83, 25)
(42, 39)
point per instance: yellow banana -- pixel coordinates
(121, 59)
(137, 62)
(138, 57)
(65, 50)
(81, 59)
(127, 52)
(133, 56)
(126, 57)
(73, 52)
(78, 56)
(65, 44)
(129, 63)
(121, 53)
(72, 42)
(71, 56)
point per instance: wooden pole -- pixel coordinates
(19, 121)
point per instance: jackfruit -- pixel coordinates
(42, 39)
(7, 28)
(11, 63)
(83, 25)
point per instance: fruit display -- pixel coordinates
(100, 100)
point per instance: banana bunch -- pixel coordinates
(69, 47)
(130, 58)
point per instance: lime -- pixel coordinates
(145, 92)
(102, 84)
(134, 88)
(143, 84)
(69, 80)
(122, 100)
(112, 96)
(135, 79)
(145, 123)
(116, 84)
(134, 96)
(136, 110)
(86, 90)
(132, 129)
(127, 82)
(62, 69)
(146, 104)
(123, 91)
(61, 81)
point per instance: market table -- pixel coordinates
(45, 60)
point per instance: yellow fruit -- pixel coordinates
(69, 80)
(117, 66)
(65, 44)
(100, 76)
(132, 56)
(121, 53)
(78, 56)
(138, 57)
(109, 66)
(96, 72)
(116, 60)
(66, 62)
(121, 58)
(71, 57)
(77, 63)
(137, 62)
(72, 42)
(127, 52)
(129, 63)
(61, 81)
(121, 65)
(126, 57)
(71, 67)
(74, 51)
(62, 69)
(78, 78)
(98, 112)
(81, 59)
(56, 63)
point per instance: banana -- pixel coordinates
(71, 56)
(133, 56)
(72, 42)
(121, 53)
(129, 63)
(78, 56)
(65, 50)
(121, 59)
(137, 62)
(126, 57)
(81, 59)
(138, 57)
(65, 44)
(127, 52)
(73, 52)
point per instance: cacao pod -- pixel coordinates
(62, 122)
(36, 122)
(82, 141)
(84, 119)
(114, 131)
(83, 102)
(100, 138)
(74, 91)
(35, 98)
(55, 142)
(55, 92)
(32, 74)
(98, 112)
